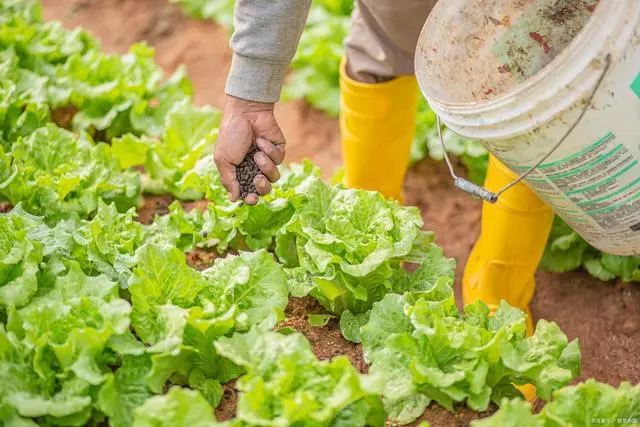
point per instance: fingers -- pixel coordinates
(266, 166)
(251, 199)
(263, 186)
(238, 132)
(275, 152)
(228, 177)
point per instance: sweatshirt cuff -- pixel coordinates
(255, 79)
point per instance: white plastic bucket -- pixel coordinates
(517, 74)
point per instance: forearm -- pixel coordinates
(264, 42)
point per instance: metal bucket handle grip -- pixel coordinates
(490, 196)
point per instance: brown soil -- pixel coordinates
(437, 416)
(201, 259)
(197, 204)
(604, 316)
(63, 116)
(152, 206)
(327, 341)
(227, 408)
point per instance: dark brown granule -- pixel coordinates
(5, 207)
(246, 173)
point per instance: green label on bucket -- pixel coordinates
(635, 86)
(602, 179)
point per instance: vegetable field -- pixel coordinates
(133, 293)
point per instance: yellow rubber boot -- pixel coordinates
(504, 260)
(377, 124)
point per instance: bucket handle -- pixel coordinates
(491, 197)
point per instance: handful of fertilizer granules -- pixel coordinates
(246, 173)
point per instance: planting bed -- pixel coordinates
(604, 316)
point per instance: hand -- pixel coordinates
(245, 122)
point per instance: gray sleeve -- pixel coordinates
(264, 42)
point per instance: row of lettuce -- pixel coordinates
(101, 318)
(316, 78)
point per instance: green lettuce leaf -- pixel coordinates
(125, 390)
(426, 350)
(181, 228)
(23, 103)
(350, 324)
(178, 408)
(350, 242)
(17, 377)
(566, 251)
(20, 257)
(238, 225)
(149, 116)
(72, 324)
(103, 245)
(252, 282)
(53, 352)
(61, 173)
(587, 404)
(512, 413)
(188, 135)
(592, 401)
(107, 243)
(180, 312)
(104, 87)
(286, 385)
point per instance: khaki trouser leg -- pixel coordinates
(384, 36)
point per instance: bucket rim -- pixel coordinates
(508, 96)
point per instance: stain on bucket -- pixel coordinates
(538, 35)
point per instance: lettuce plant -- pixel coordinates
(188, 134)
(20, 257)
(285, 384)
(66, 70)
(427, 351)
(587, 404)
(52, 350)
(178, 408)
(345, 246)
(105, 244)
(53, 171)
(566, 251)
(236, 225)
(179, 312)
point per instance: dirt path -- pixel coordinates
(605, 316)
